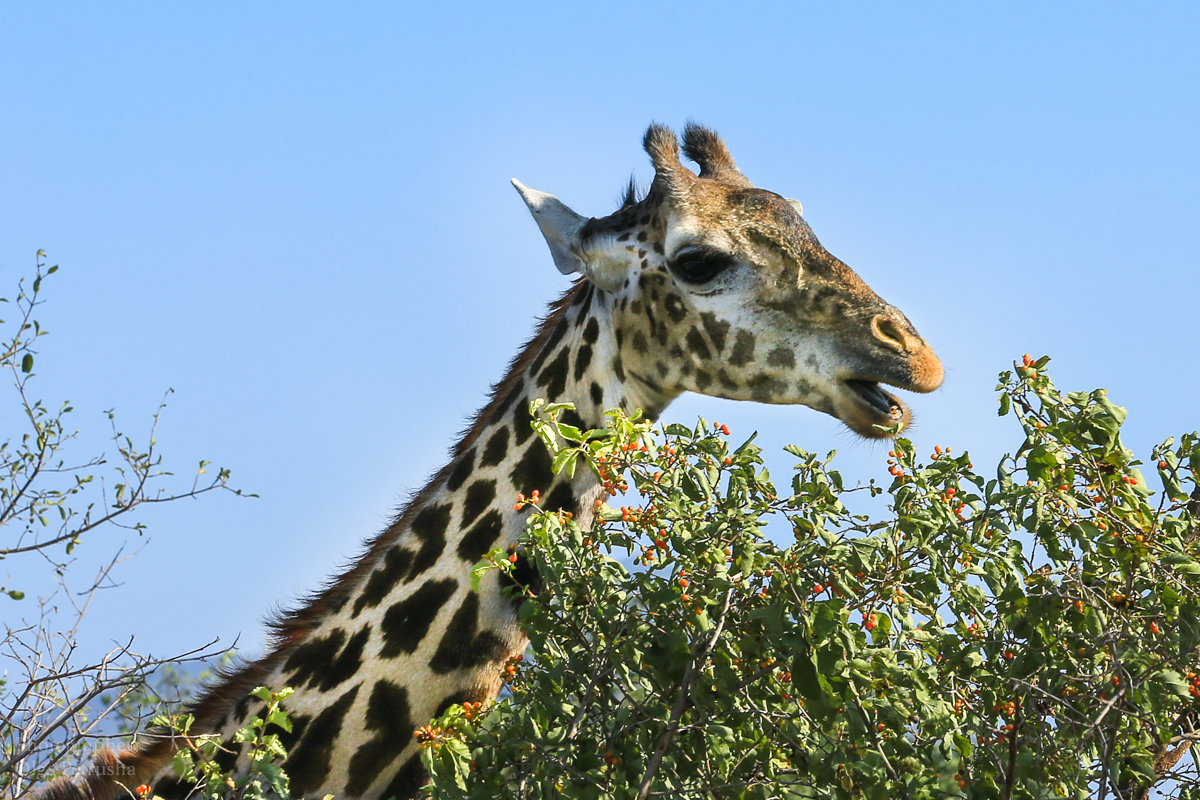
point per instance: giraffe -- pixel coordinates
(705, 284)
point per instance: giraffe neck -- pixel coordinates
(402, 636)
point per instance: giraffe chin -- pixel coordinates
(868, 410)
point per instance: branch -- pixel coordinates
(681, 700)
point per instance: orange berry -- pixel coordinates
(512, 557)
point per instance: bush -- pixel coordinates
(1035, 634)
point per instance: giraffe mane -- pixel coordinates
(631, 195)
(289, 625)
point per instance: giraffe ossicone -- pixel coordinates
(705, 284)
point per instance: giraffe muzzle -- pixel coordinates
(921, 367)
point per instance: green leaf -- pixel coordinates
(183, 764)
(1173, 681)
(1181, 562)
(565, 459)
(279, 717)
(27, 363)
(481, 568)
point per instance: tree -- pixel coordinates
(50, 504)
(1033, 634)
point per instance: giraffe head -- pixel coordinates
(721, 288)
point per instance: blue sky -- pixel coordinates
(299, 217)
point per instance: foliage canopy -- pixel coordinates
(1034, 634)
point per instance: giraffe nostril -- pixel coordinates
(888, 332)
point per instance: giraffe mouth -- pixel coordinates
(872, 408)
(870, 393)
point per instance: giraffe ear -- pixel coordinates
(560, 225)
(796, 205)
(563, 229)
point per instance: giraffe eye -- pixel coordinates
(700, 264)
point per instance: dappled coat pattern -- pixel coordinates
(706, 284)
